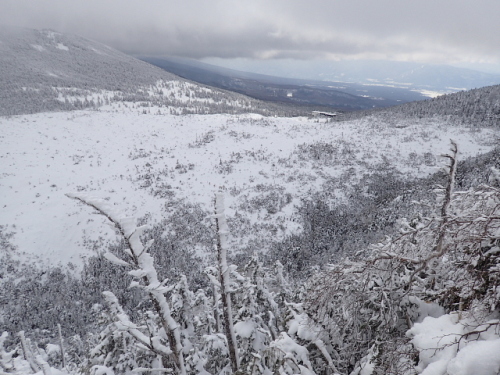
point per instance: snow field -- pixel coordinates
(139, 162)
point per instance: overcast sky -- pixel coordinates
(437, 31)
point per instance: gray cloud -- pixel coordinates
(424, 30)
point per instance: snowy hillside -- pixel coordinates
(145, 162)
(475, 108)
(43, 70)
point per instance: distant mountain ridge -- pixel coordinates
(411, 75)
(338, 95)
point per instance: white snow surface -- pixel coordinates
(449, 346)
(477, 358)
(62, 47)
(122, 155)
(38, 47)
(244, 328)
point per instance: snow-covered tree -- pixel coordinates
(166, 340)
(442, 263)
(224, 280)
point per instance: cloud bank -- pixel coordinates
(425, 30)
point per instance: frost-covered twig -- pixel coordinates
(28, 356)
(123, 323)
(61, 345)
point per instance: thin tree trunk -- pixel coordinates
(221, 228)
(216, 309)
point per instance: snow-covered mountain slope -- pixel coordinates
(43, 70)
(145, 161)
(339, 96)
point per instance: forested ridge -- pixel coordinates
(478, 107)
